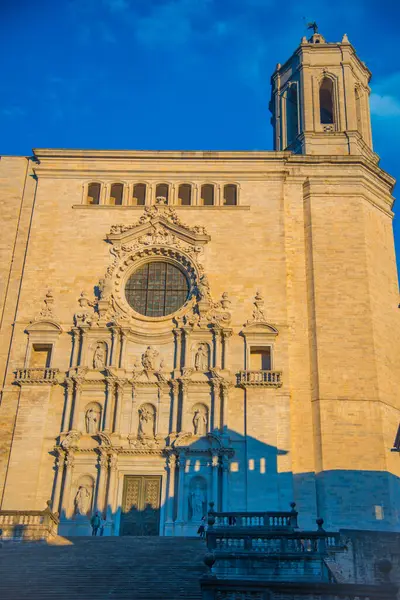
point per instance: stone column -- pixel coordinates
(186, 334)
(114, 362)
(66, 493)
(111, 505)
(181, 487)
(218, 346)
(123, 348)
(224, 404)
(175, 402)
(150, 192)
(226, 334)
(178, 348)
(225, 483)
(75, 411)
(215, 478)
(101, 481)
(185, 388)
(171, 464)
(84, 342)
(76, 336)
(119, 400)
(216, 414)
(60, 460)
(108, 413)
(68, 404)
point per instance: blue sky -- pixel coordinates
(175, 74)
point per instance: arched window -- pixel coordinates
(162, 191)
(116, 194)
(358, 110)
(292, 114)
(326, 101)
(139, 194)
(207, 195)
(230, 194)
(93, 195)
(185, 194)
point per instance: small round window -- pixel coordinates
(157, 289)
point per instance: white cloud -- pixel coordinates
(384, 105)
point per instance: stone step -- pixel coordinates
(103, 568)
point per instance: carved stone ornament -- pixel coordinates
(149, 359)
(86, 315)
(158, 233)
(71, 441)
(258, 323)
(46, 313)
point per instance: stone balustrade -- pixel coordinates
(270, 520)
(36, 375)
(31, 525)
(260, 378)
(231, 541)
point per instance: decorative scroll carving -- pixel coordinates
(46, 311)
(86, 315)
(71, 441)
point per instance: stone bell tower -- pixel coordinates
(320, 100)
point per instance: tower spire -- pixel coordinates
(320, 99)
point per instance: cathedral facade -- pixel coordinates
(180, 328)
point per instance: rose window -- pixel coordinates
(157, 289)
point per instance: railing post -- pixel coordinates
(321, 540)
(293, 516)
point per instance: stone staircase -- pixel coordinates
(155, 568)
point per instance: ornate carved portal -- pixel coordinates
(141, 505)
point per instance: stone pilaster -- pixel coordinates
(215, 479)
(77, 399)
(109, 409)
(69, 393)
(178, 348)
(216, 413)
(119, 401)
(66, 493)
(111, 504)
(101, 480)
(225, 483)
(171, 466)
(181, 487)
(60, 461)
(175, 403)
(185, 388)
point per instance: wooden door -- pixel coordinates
(141, 505)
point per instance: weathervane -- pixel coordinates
(313, 26)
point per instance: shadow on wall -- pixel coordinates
(239, 474)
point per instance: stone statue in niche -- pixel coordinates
(99, 356)
(149, 359)
(146, 422)
(201, 358)
(197, 503)
(92, 419)
(200, 422)
(82, 500)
